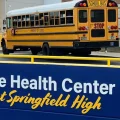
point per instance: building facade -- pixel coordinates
(46, 2)
(118, 1)
(7, 5)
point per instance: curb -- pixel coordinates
(116, 50)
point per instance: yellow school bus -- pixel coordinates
(76, 27)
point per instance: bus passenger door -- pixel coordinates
(97, 24)
(83, 24)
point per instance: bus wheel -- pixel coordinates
(4, 49)
(46, 49)
(34, 51)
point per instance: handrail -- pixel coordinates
(32, 58)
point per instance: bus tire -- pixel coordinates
(46, 49)
(4, 49)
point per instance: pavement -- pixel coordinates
(106, 54)
(98, 53)
(94, 54)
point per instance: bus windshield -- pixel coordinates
(97, 15)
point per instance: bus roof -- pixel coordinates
(43, 8)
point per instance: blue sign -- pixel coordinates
(60, 91)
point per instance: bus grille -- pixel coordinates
(98, 33)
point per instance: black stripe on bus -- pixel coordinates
(43, 40)
(43, 27)
(53, 33)
(115, 31)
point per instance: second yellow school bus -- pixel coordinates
(76, 27)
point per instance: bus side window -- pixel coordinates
(62, 17)
(19, 21)
(69, 17)
(27, 20)
(52, 18)
(23, 20)
(83, 16)
(41, 19)
(57, 18)
(36, 20)
(9, 23)
(14, 22)
(32, 20)
(46, 18)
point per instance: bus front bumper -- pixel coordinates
(101, 44)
